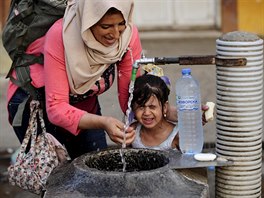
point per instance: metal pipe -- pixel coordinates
(191, 60)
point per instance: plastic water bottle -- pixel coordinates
(188, 100)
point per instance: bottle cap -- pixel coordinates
(186, 71)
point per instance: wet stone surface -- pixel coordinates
(135, 159)
(87, 177)
(8, 191)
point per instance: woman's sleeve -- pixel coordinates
(124, 68)
(59, 111)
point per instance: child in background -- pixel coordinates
(150, 106)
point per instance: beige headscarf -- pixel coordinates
(86, 59)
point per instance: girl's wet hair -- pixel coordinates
(147, 86)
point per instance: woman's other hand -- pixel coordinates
(204, 109)
(173, 116)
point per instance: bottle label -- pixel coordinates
(187, 103)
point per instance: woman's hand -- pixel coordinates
(115, 130)
(113, 127)
(204, 109)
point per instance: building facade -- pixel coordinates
(222, 15)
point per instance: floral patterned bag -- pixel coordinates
(32, 169)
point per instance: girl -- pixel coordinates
(150, 106)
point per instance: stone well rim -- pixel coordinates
(80, 162)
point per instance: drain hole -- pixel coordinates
(136, 160)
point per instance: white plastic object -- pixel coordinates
(209, 114)
(205, 157)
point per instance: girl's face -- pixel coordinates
(108, 30)
(150, 114)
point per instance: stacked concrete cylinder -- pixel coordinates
(239, 115)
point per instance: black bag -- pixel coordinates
(28, 20)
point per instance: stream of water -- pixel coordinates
(128, 120)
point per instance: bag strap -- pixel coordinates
(17, 121)
(12, 5)
(23, 72)
(22, 14)
(36, 117)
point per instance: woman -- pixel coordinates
(81, 52)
